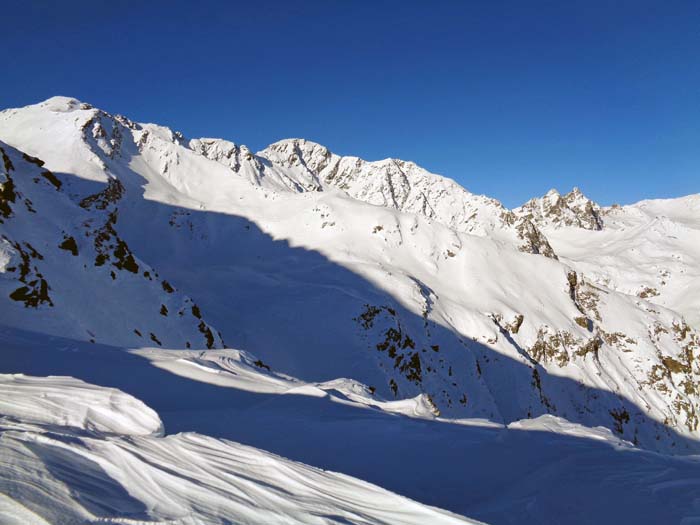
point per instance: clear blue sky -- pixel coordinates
(508, 98)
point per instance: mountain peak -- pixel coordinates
(296, 151)
(63, 104)
(572, 209)
(576, 195)
(296, 142)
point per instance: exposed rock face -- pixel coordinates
(572, 209)
(224, 152)
(533, 239)
(66, 270)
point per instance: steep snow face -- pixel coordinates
(66, 270)
(75, 453)
(556, 210)
(56, 136)
(406, 187)
(322, 285)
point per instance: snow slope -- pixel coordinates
(650, 250)
(60, 255)
(534, 471)
(95, 455)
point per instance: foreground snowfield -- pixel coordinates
(532, 471)
(76, 453)
(369, 318)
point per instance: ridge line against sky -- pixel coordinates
(508, 98)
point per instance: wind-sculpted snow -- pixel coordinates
(73, 453)
(532, 471)
(68, 402)
(325, 267)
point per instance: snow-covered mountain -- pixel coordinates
(60, 259)
(440, 307)
(555, 210)
(650, 250)
(406, 187)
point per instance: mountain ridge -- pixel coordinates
(66, 103)
(207, 262)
